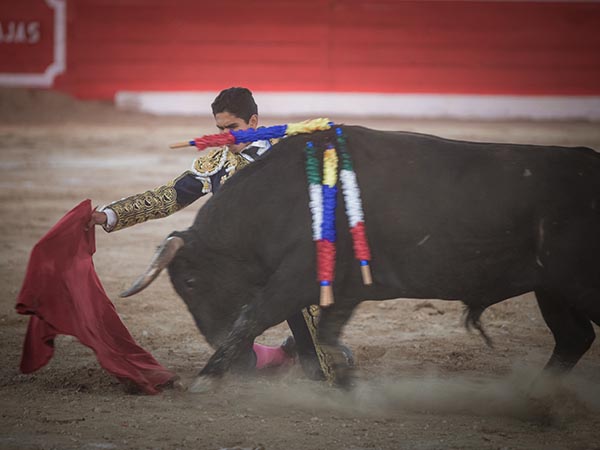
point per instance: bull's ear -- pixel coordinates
(162, 258)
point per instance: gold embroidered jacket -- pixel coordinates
(207, 174)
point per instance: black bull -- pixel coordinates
(445, 219)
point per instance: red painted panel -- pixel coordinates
(26, 37)
(469, 47)
(454, 46)
(186, 45)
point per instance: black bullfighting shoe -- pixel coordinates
(289, 347)
(348, 355)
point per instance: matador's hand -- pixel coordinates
(98, 218)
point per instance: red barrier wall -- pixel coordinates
(459, 47)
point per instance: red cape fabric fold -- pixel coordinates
(64, 295)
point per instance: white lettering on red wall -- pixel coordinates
(32, 42)
(19, 32)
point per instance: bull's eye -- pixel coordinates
(189, 282)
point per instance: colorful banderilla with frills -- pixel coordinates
(354, 210)
(322, 204)
(326, 245)
(250, 135)
(323, 193)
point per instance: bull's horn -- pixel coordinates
(163, 256)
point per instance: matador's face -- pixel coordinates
(227, 121)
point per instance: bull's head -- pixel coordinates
(209, 300)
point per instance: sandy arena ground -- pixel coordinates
(424, 382)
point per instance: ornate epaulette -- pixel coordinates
(216, 160)
(209, 164)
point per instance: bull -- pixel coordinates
(446, 219)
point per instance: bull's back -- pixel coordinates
(447, 217)
(444, 218)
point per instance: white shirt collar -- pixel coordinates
(261, 146)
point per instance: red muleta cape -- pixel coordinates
(63, 295)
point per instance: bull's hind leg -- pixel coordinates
(572, 330)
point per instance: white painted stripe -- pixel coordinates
(59, 62)
(313, 104)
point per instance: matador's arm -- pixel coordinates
(156, 203)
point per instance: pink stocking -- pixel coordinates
(270, 356)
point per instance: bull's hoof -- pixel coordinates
(174, 383)
(202, 385)
(178, 386)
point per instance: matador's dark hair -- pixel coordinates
(237, 101)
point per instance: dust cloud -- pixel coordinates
(524, 395)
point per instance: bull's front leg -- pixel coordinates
(234, 348)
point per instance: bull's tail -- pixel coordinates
(473, 320)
